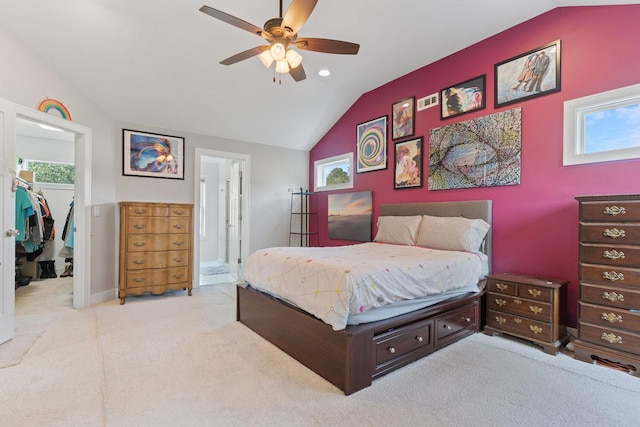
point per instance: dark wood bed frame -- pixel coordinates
(350, 359)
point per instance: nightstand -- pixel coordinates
(527, 307)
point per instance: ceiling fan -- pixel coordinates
(282, 35)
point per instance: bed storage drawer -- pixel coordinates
(450, 324)
(399, 342)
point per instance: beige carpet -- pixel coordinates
(176, 360)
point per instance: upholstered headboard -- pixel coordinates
(471, 209)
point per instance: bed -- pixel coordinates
(352, 354)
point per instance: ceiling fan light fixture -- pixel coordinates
(266, 58)
(293, 58)
(282, 66)
(278, 51)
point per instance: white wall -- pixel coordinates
(26, 80)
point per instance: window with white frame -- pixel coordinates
(50, 172)
(602, 127)
(334, 173)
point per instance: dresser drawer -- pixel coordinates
(179, 211)
(535, 293)
(520, 325)
(609, 317)
(145, 278)
(610, 337)
(145, 260)
(147, 225)
(403, 340)
(606, 274)
(611, 233)
(178, 258)
(520, 307)
(179, 225)
(610, 296)
(615, 255)
(618, 211)
(455, 321)
(178, 275)
(146, 210)
(147, 242)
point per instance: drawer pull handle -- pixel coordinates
(614, 210)
(501, 320)
(500, 302)
(517, 301)
(517, 320)
(613, 297)
(613, 276)
(139, 226)
(138, 279)
(140, 211)
(445, 326)
(501, 286)
(467, 319)
(177, 259)
(535, 329)
(613, 254)
(419, 338)
(535, 309)
(611, 338)
(178, 243)
(614, 233)
(611, 317)
(139, 244)
(391, 350)
(178, 276)
(138, 262)
(178, 226)
(178, 212)
(535, 292)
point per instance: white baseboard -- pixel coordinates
(103, 297)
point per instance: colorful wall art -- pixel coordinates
(482, 152)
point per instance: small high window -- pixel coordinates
(334, 173)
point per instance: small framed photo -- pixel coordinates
(528, 75)
(152, 155)
(408, 164)
(372, 145)
(463, 97)
(402, 114)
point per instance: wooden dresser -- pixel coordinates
(155, 248)
(609, 273)
(529, 308)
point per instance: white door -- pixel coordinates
(7, 220)
(235, 218)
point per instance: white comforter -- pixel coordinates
(333, 282)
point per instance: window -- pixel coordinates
(602, 127)
(51, 172)
(334, 173)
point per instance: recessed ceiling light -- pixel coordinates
(324, 73)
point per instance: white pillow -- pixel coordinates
(399, 230)
(451, 233)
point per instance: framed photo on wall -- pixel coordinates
(528, 75)
(402, 118)
(372, 145)
(408, 164)
(463, 97)
(152, 155)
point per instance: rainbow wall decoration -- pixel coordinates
(49, 104)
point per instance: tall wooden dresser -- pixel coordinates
(609, 274)
(156, 251)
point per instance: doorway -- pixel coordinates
(221, 216)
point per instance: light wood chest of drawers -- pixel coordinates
(528, 308)
(156, 252)
(609, 288)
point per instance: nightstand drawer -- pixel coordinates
(535, 292)
(520, 326)
(503, 287)
(520, 307)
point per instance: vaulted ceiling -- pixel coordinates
(156, 62)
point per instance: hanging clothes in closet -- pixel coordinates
(67, 250)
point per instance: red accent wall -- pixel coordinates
(535, 228)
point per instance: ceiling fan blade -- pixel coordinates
(297, 14)
(298, 73)
(230, 19)
(328, 46)
(244, 55)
